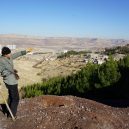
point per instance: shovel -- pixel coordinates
(13, 118)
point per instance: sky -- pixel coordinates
(65, 18)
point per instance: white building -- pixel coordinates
(12, 47)
(65, 51)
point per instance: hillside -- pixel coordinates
(118, 49)
(67, 112)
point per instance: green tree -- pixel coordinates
(108, 73)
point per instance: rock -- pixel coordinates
(68, 112)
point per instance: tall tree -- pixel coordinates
(108, 73)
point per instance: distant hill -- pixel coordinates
(61, 43)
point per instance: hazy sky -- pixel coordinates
(81, 18)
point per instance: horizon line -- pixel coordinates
(41, 36)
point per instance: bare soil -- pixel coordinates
(67, 112)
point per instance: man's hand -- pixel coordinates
(29, 50)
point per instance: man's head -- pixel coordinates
(6, 52)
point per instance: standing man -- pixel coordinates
(10, 76)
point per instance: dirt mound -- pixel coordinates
(68, 112)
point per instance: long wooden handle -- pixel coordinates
(13, 118)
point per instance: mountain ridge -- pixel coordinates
(61, 43)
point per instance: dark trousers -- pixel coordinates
(13, 98)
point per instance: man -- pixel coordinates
(10, 76)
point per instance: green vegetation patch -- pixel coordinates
(69, 53)
(91, 77)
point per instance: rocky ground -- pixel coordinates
(66, 112)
